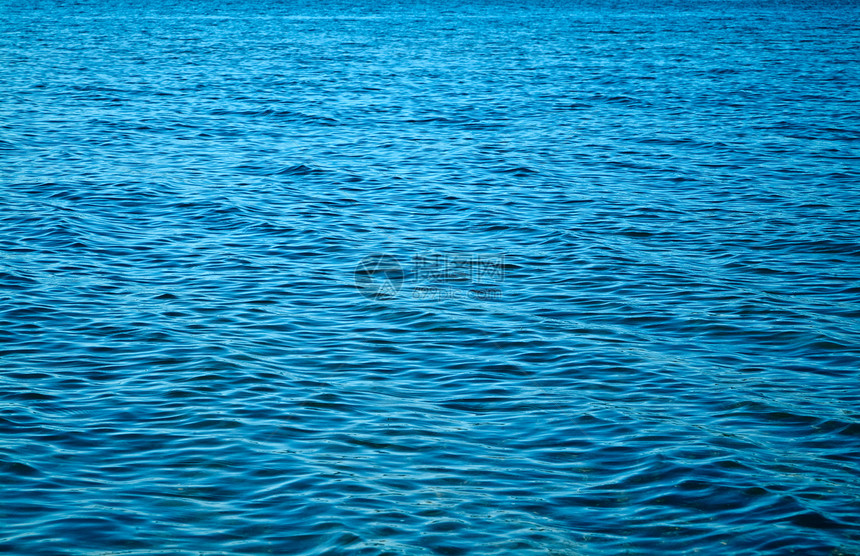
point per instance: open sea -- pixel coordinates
(449, 277)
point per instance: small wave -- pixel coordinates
(294, 170)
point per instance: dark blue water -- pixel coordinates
(488, 277)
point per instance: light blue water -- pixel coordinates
(490, 277)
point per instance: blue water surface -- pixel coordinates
(410, 277)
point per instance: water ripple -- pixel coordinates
(429, 279)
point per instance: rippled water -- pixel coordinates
(485, 277)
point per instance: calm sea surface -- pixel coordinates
(413, 278)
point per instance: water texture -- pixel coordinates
(486, 277)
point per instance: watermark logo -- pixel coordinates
(475, 269)
(379, 276)
(434, 276)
